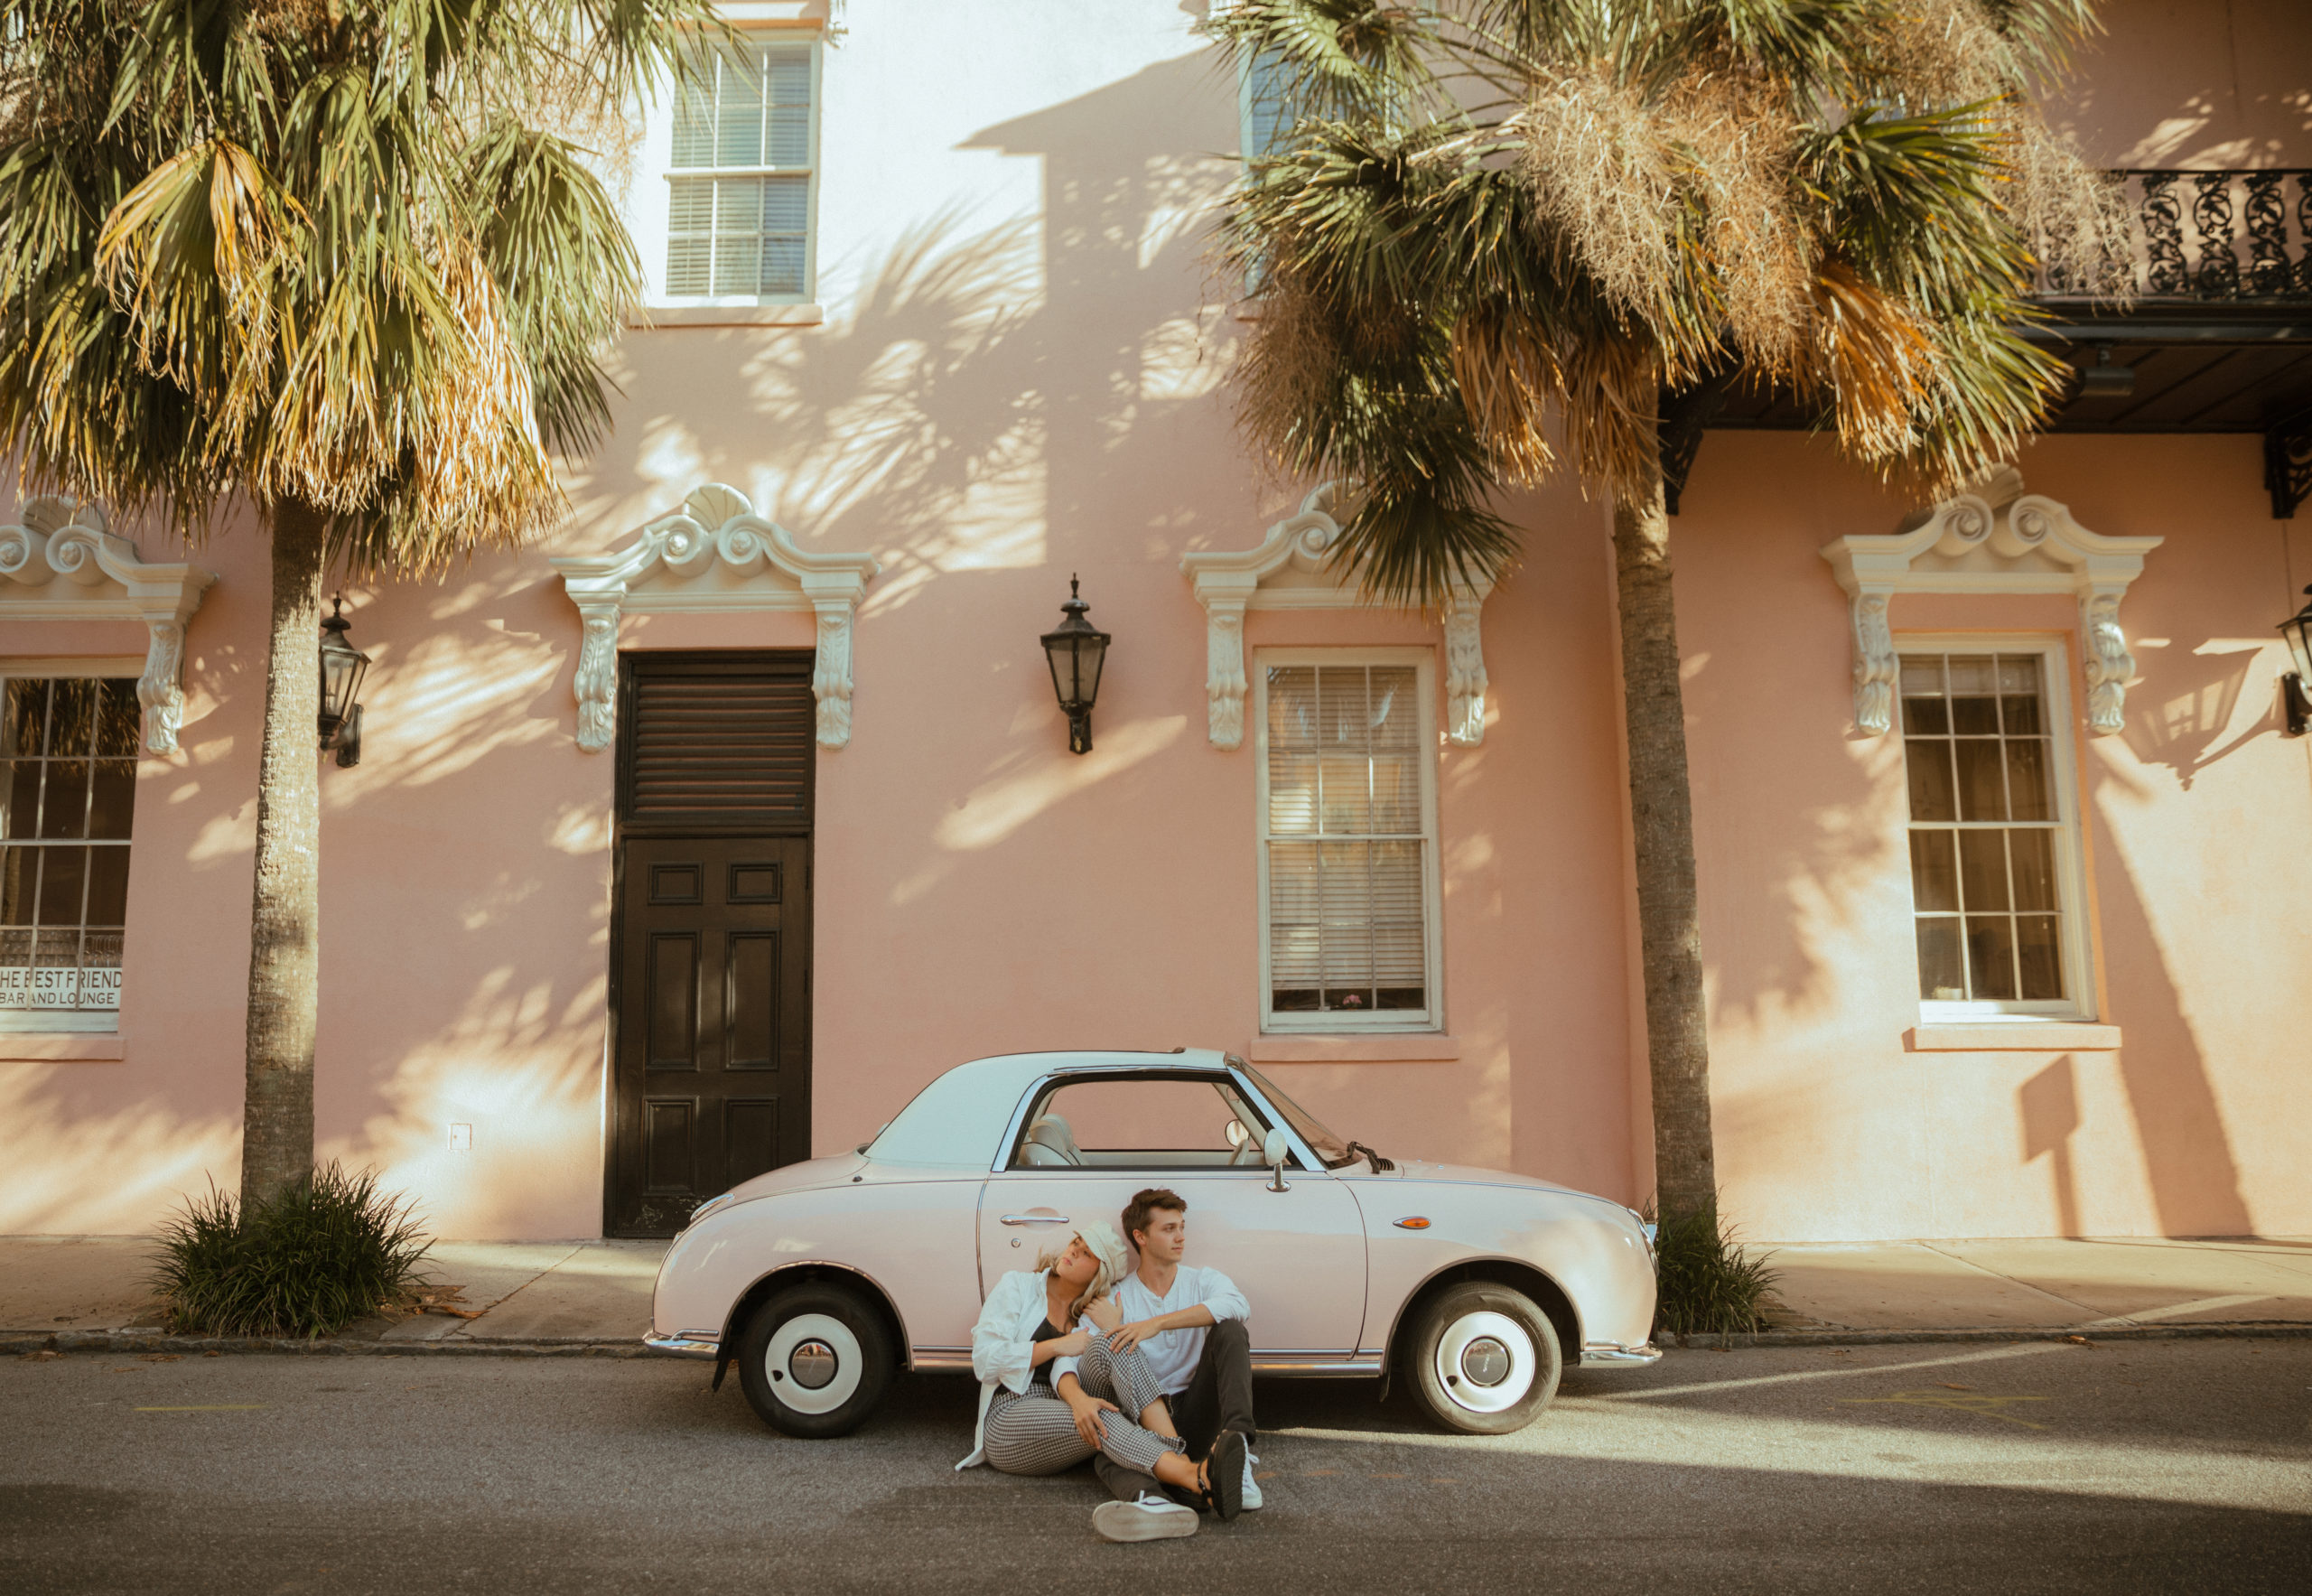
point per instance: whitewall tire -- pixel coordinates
(815, 1360)
(1484, 1358)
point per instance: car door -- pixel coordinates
(1297, 1255)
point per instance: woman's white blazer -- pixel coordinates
(1003, 1347)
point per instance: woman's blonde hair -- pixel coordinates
(1107, 1256)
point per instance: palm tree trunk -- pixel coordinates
(1661, 822)
(285, 940)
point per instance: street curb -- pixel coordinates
(125, 1341)
(21, 1342)
(2264, 1329)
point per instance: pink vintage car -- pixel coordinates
(821, 1278)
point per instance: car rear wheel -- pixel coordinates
(815, 1360)
(1485, 1360)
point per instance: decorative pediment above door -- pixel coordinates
(1993, 539)
(61, 561)
(715, 554)
(1288, 570)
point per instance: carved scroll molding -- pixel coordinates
(715, 554)
(63, 563)
(1995, 540)
(1286, 571)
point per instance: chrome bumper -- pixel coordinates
(1614, 1355)
(685, 1344)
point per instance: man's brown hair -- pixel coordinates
(1144, 1204)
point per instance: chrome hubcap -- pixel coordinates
(1485, 1362)
(812, 1364)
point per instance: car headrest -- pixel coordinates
(1052, 1133)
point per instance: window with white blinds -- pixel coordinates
(1347, 819)
(748, 128)
(1993, 846)
(1265, 109)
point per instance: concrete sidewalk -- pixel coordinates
(598, 1293)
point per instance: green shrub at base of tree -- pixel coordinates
(308, 1261)
(1706, 1283)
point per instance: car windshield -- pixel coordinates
(1322, 1142)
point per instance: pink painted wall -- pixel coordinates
(1022, 375)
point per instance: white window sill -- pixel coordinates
(93, 1047)
(647, 317)
(2012, 1036)
(1424, 1047)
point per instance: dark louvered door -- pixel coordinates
(710, 964)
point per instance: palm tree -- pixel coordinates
(345, 264)
(1491, 211)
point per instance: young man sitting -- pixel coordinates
(1189, 1323)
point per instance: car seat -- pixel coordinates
(1051, 1144)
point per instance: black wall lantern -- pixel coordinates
(1076, 652)
(2295, 688)
(342, 668)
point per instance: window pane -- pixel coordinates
(120, 718)
(1348, 924)
(20, 798)
(1940, 977)
(63, 873)
(107, 886)
(1982, 786)
(2026, 780)
(1990, 956)
(789, 140)
(1396, 717)
(694, 125)
(1341, 711)
(1982, 869)
(1396, 793)
(114, 798)
(1292, 707)
(1934, 870)
(19, 884)
(2035, 868)
(1347, 801)
(1929, 765)
(1974, 705)
(738, 112)
(72, 717)
(1295, 953)
(1291, 793)
(2039, 950)
(1925, 716)
(64, 807)
(26, 716)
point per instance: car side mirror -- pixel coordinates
(1275, 1151)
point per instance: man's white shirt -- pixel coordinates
(1174, 1354)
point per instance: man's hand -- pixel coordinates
(1087, 1409)
(1124, 1338)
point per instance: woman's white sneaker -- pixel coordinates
(1252, 1487)
(1150, 1518)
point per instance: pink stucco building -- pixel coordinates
(700, 836)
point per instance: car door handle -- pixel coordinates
(1035, 1219)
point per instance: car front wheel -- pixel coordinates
(814, 1361)
(1485, 1360)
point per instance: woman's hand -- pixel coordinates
(1087, 1410)
(1073, 1344)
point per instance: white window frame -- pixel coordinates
(72, 1021)
(1330, 1023)
(657, 199)
(2052, 650)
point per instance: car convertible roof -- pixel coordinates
(957, 1120)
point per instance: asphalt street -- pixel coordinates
(2037, 1467)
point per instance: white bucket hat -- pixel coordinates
(1107, 1247)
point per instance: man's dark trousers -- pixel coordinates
(1218, 1397)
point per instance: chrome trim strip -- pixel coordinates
(939, 1360)
(683, 1344)
(958, 1360)
(1614, 1355)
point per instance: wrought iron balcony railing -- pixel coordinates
(2206, 237)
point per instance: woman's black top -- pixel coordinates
(1044, 1331)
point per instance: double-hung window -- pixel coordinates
(1347, 840)
(67, 795)
(1993, 834)
(741, 182)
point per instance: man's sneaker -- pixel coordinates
(1252, 1486)
(1150, 1518)
(1226, 1472)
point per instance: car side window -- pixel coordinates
(1180, 1122)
